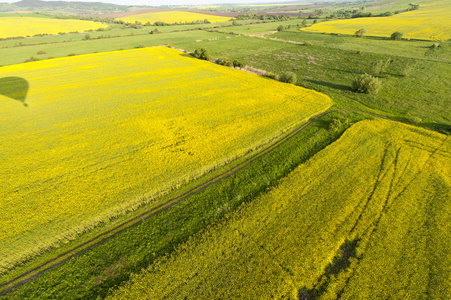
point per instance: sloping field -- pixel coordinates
(171, 17)
(102, 131)
(432, 21)
(26, 26)
(366, 218)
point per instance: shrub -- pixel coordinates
(280, 28)
(155, 31)
(288, 77)
(435, 46)
(397, 35)
(379, 67)
(415, 120)
(223, 61)
(337, 123)
(308, 43)
(239, 64)
(360, 32)
(202, 53)
(272, 75)
(366, 84)
(32, 59)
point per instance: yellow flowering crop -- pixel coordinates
(173, 17)
(432, 21)
(383, 187)
(26, 26)
(102, 131)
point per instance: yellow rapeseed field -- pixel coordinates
(366, 218)
(432, 21)
(102, 131)
(26, 26)
(171, 17)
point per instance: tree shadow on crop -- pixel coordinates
(330, 85)
(340, 262)
(439, 127)
(15, 88)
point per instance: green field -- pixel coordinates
(338, 226)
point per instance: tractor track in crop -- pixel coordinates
(29, 275)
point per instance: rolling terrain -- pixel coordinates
(430, 22)
(374, 203)
(131, 170)
(123, 133)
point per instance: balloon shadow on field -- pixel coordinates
(15, 88)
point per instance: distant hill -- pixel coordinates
(62, 6)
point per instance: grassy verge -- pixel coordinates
(94, 272)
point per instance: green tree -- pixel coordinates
(280, 28)
(288, 77)
(397, 35)
(238, 64)
(366, 84)
(360, 32)
(202, 53)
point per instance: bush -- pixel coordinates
(396, 36)
(155, 31)
(415, 120)
(308, 43)
(379, 67)
(31, 59)
(280, 28)
(435, 46)
(272, 75)
(238, 64)
(288, 77)
(224, 61)
(360, 32)
(366, 84)
(202, 53)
